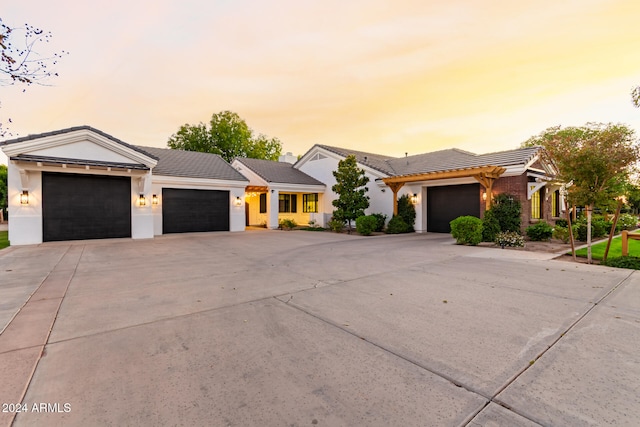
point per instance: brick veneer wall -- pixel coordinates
(517, 187)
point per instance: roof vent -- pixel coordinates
(365, 159)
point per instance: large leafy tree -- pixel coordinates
(20, 62)
(228, 135)
(595, 159)
(351, 189)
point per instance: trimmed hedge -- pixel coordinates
(467, 230)
(366, 224)
(539, 232)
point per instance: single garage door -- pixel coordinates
(447, 203)
(78, 207)
(186, 210)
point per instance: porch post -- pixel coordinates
(272, 209)
(395, 187)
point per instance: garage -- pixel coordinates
(449, 202)
(79, 207)
(192, 210)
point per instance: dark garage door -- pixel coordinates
(78, 207)
(185, 211)
(447, 203)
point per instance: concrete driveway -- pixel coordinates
(276, 328)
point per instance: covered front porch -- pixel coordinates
(267, 206)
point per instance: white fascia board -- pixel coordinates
(166, 180)
(297, 188)
(514, 170)
(87, 170)
(78, 136)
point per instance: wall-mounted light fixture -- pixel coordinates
(414, 199)
(154, 199)
(238, 201)
(24, 197)
(484, 196)
(142, 201)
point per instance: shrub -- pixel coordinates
(490, 227)
(397, 225)
(598, 227)
(336, 225)
(467, 230)
(287, 224)
(510, 238)
(626, 222)
(381, 220)
(507, 210)
(631, 262)
(366, 224)
(407, 211)
(562, 222)
(561, 233)
(540, 231)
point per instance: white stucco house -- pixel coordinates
(81, 183)
(445, 184)
(278, 191)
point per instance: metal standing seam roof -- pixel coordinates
(278, 172)
(74, 129)
(192, 164)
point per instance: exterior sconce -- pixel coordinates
(24, 197)
(237, 201)
(154, 199)
(414, 199)
(142, 201)
(484, 196)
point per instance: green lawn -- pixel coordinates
(597, 249)
(4, 239)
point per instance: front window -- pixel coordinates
(287, 203)
(555, 203)
(536, 211)
(310, 203)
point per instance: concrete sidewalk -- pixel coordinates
(302, 328)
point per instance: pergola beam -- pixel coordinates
(485, 175)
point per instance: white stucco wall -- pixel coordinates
(25, 221)
(322, 169)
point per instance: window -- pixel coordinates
(310, 203)
(555, 203)
(536, 205)
(263, 203)
(287, 203)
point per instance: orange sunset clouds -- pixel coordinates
(380, 76)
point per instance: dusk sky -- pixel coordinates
(379, 76)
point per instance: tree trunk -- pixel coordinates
(613, 229)
(571, 238)
(589, 211)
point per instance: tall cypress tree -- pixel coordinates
(351, 188)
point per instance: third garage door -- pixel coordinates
(186, 210)
(447, 203)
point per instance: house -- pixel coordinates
(81, 183)
(445, 184)
(278, 191)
